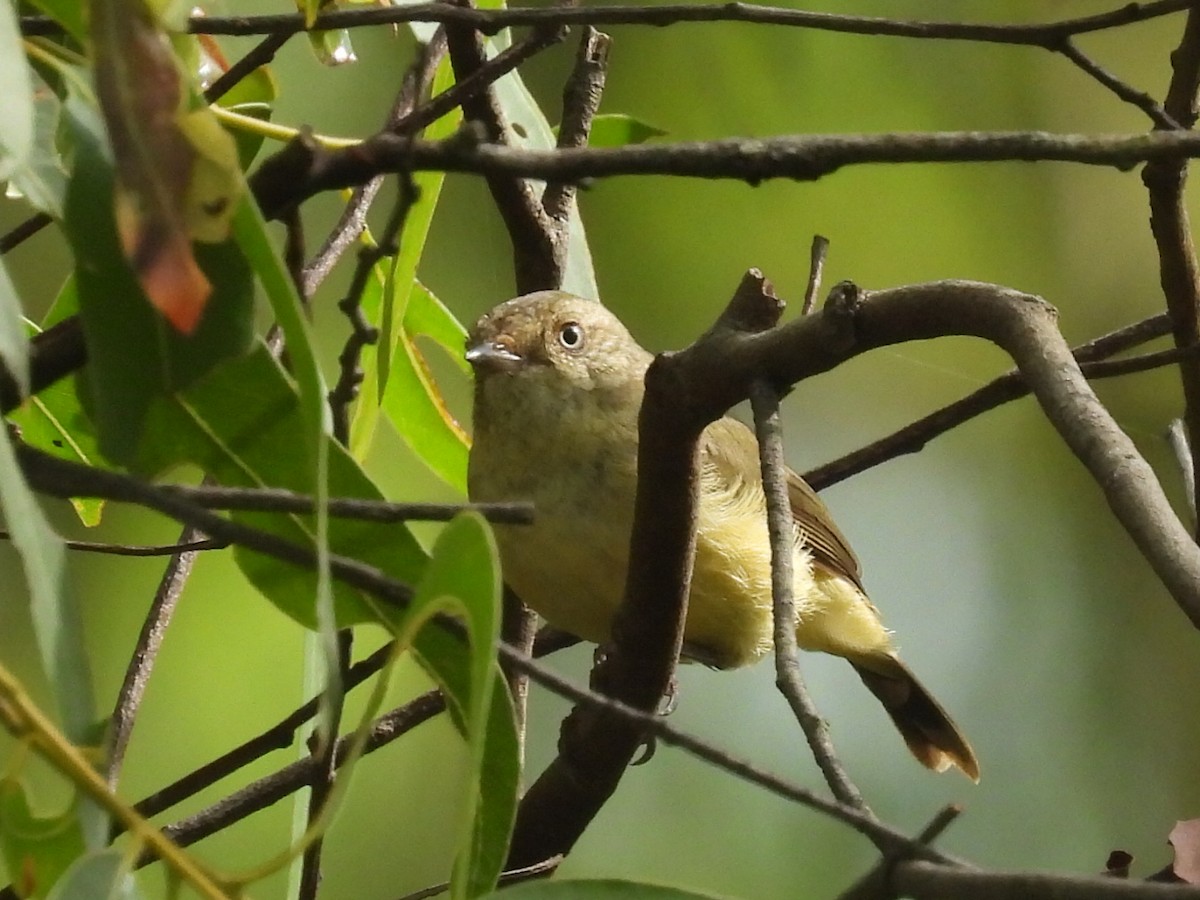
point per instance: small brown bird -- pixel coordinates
(558, 386)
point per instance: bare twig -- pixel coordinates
(581, 100)
(53, 354)
(353, 220)
(264, 792)
(362, 332)
(875, 884)
(284, 501)
(478, 81)
(137, 674)
(1129, 94)
(23, 231)
(136, 549)
(1010, 386)
(278, 737)
(788, 679)
(1177, 437)
(816, 268)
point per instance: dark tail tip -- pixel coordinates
(927, 729)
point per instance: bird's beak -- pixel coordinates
(492, 355)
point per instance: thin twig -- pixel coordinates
(816, 268)
(782, 530)
(23, 231)
(141, 662)
(1177, 438)
(1010, 386)
(363, 332)
(279, 736)
(874, 885)
(581, 100)
(1126, 92)
(516, 199)
(353, 219)
(266, 791)
(136, 549)
(284, 501)
(478, 81)
(260, 54)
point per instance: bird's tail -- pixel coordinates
(928, 730)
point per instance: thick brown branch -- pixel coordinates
(1165, 180)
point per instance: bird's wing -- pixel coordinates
(828, 545)
(729, 449)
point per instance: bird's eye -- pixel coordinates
(570, 335)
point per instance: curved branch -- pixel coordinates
(687, 390)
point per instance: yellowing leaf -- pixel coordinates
(216, 179)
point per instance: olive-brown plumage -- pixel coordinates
(557, 393)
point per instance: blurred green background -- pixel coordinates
(1012, 591)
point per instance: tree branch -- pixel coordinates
(1165, 181)
(1010, 386)
(299, 172)
(765, 403)
(492, 21)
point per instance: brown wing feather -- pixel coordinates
(828, 545)
(730, 447)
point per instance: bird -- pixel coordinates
(558, 388)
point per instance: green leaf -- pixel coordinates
(14, 344)
(37, 849)
(57, 624)
(413, 404)
(67, 13)
(619, 130)
(103, 875)
(134, 356)
(42, 177)
(254, 96)
(464, 576)
(427, 316)
(54, 421)
(332, 48)
(599, 889)
(16, 95)
(381, 305)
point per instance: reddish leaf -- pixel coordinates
(176, 180)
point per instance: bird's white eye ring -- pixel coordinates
(570, 335)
